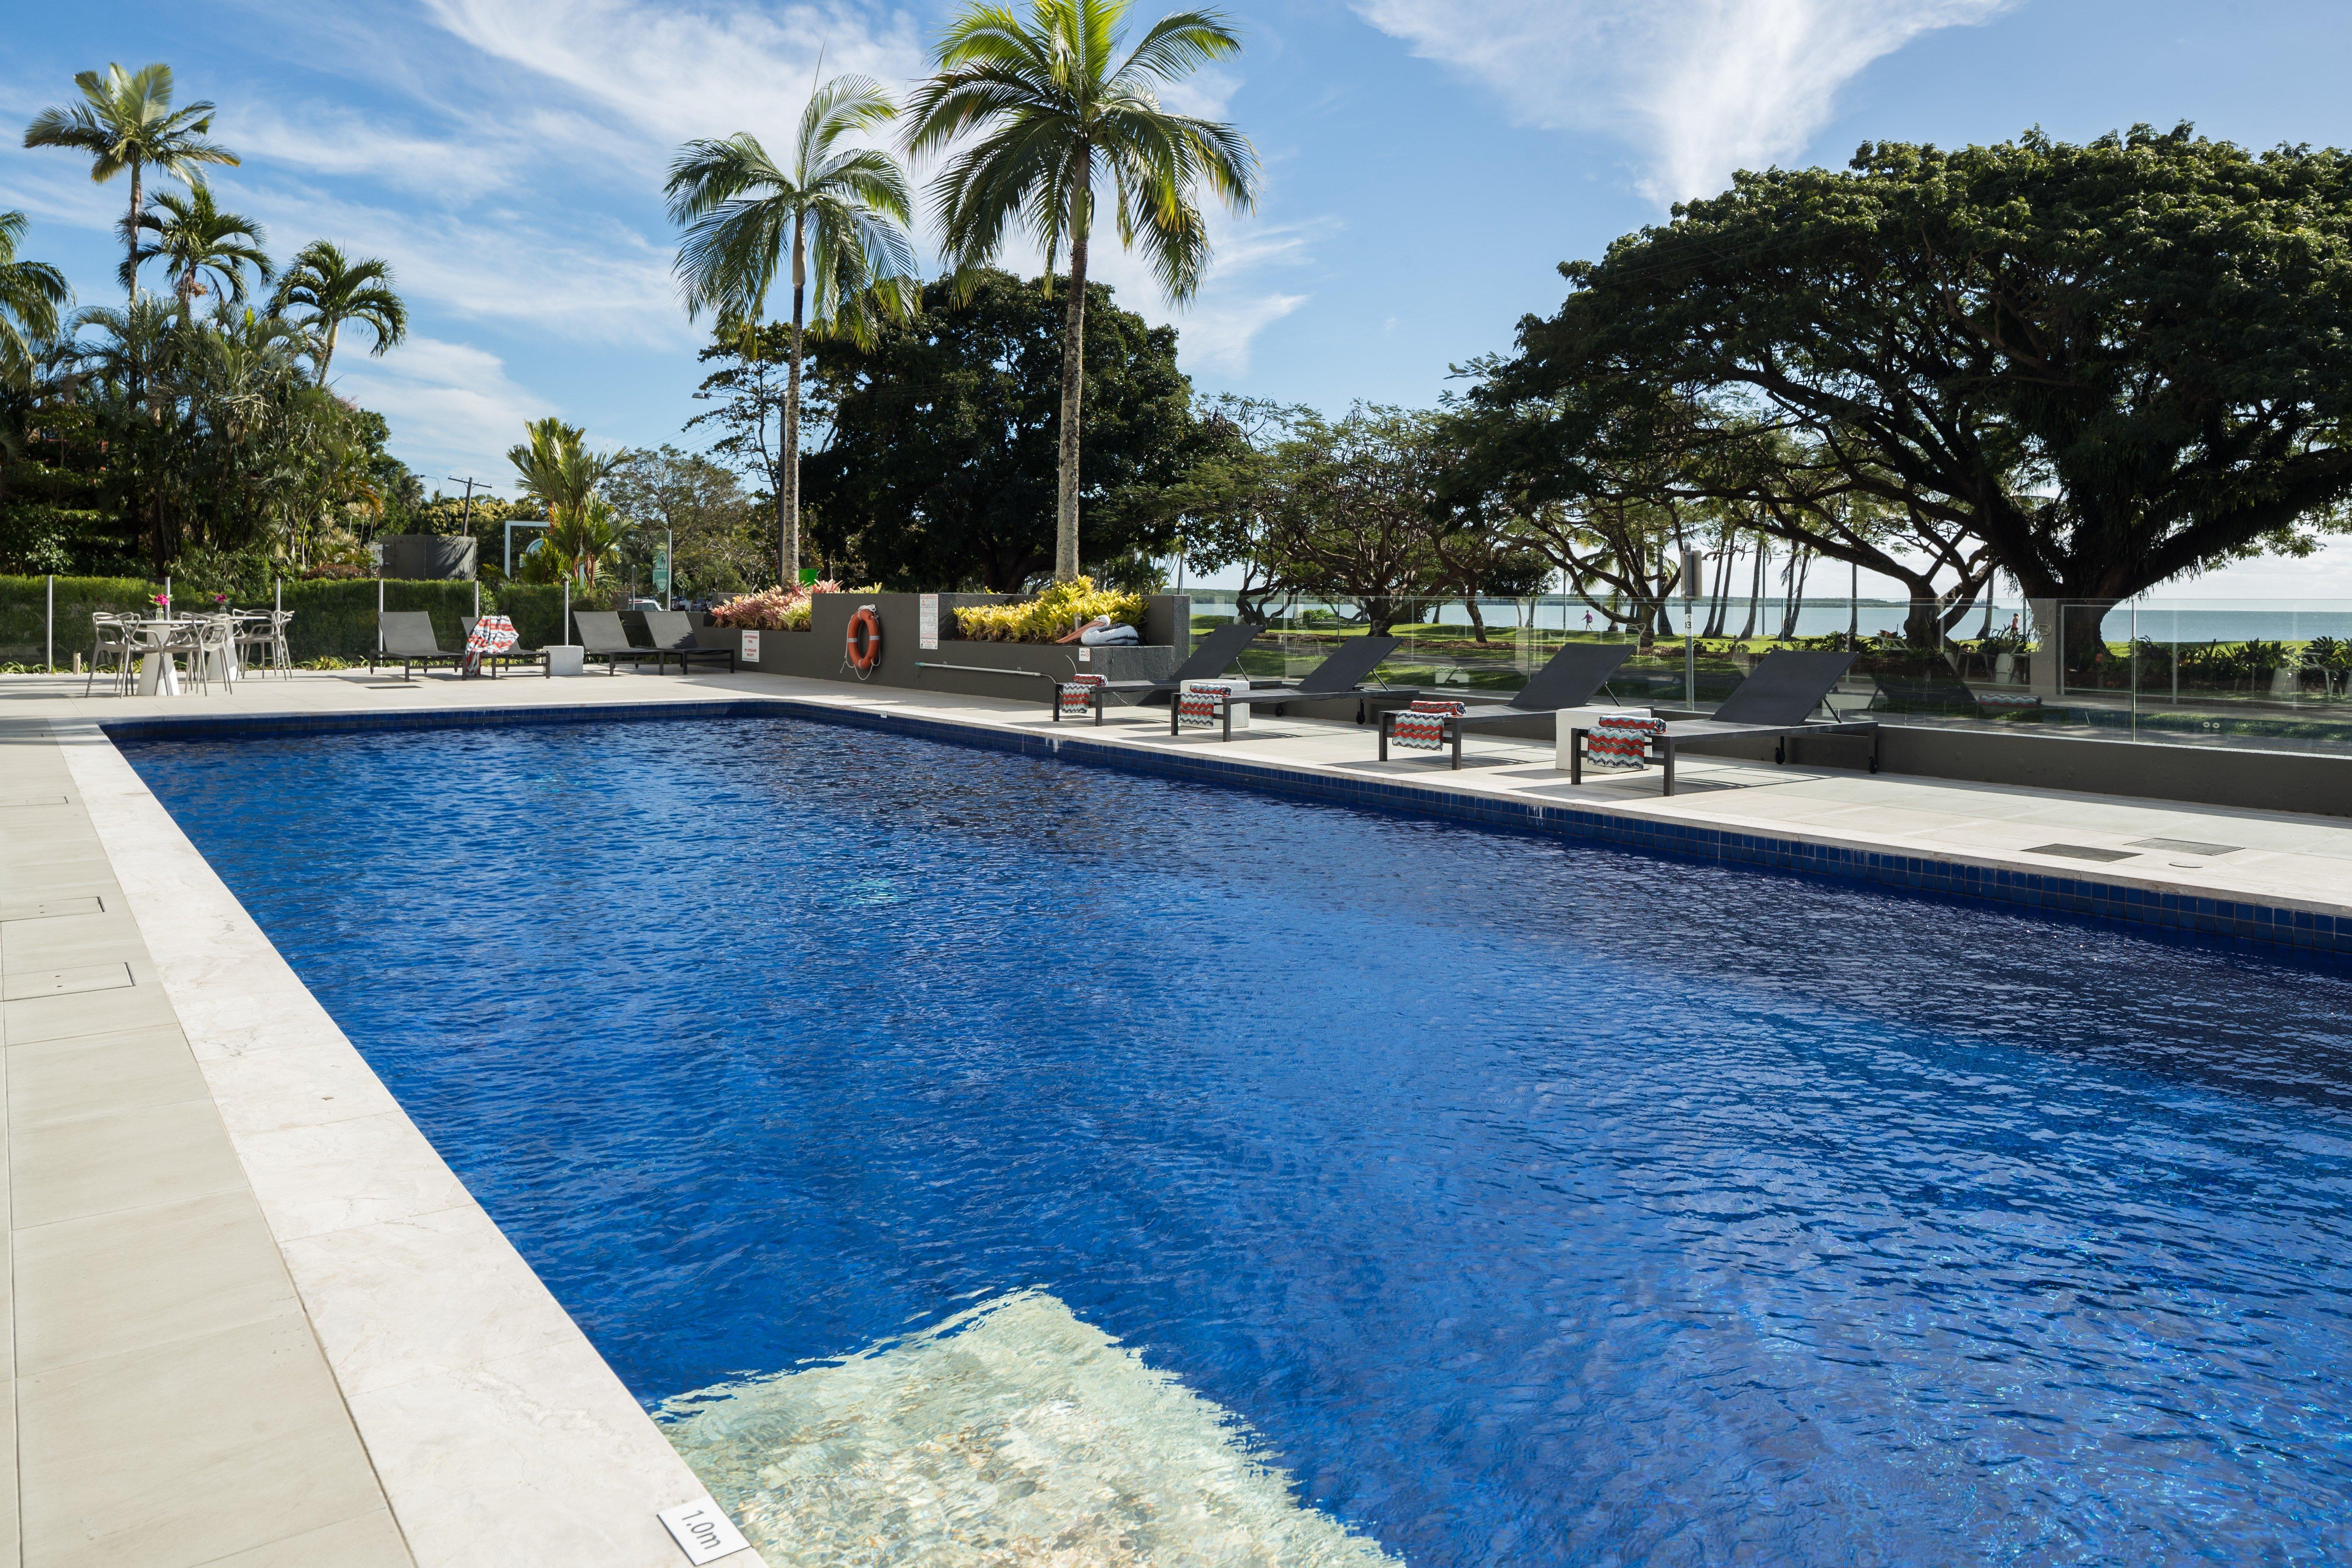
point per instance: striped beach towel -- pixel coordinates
(1077, 695)
(1422, 727)
(1202, 704)
(1622, 742)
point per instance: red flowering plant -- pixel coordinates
(777, 609)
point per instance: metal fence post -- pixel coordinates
(51, 637)
(379, 609)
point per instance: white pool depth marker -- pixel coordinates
(703, 1533)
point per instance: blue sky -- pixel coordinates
(1427, 164)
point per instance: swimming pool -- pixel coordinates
(994, 1157)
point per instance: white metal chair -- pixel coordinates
(111, 637)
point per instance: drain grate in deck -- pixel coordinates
(2083, 852)
(2186, 847)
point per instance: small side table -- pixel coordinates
(566, 658)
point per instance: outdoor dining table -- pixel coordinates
(159, 673)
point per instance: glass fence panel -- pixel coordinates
(2253, 674)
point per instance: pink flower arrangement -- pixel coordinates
(777, 609)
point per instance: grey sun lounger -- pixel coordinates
(1216, 653)
(494, 662)
(1342, 675)
(601, 636)
(1778, 700)
(673, 637)
(1568, 680)
(407, 636)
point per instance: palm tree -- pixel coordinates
(334, 290)
(31, 294)
(563, 474)
(1050, 106)
(127, 122)
(845, 212)
(193, 237)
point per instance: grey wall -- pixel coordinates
(1016, 671)
(426, 557)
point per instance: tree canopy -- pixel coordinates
(940, 465)
(2112, 364)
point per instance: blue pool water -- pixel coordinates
(1523, 1203)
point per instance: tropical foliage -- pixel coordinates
(840, 213)
(1047, 103)
(938, 467)
(186, 425)
(126, 123)
(1051, 615)
(329, 288)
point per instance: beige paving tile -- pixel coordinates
(9, 1555)
(370, 1541)
(308, 1086)
(50, 909)
(465, 1456)
(181, 1454)
(28, 984)
(119, 1160)
(370, 1169)
(400, 1299)
(64, 940)
(87, 1288)
(38, 1019)
(97, 1073)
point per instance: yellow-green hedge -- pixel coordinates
(1051, 615)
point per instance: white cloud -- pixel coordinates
(681, 72)
(452, 407)
(1701, 87)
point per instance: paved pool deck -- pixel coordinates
(253, 1319)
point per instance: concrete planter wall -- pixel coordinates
(1018, 671)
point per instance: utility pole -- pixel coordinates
(466, 516)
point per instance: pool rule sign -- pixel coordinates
(927, 621)
(703, 1533)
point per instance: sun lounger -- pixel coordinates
(1778, 699)
(673, 637)
(407, 636)
(601, 636)
(1568, 680)
(1342, 675)
(1216, 653)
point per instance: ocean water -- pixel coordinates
(977, 1160)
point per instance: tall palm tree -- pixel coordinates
(1051, 104)
(31, 294)
(194, 239)
(126, 120)
(334, 290)
(843, 213)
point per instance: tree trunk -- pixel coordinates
(327, 351)
(130, 230)
(1477, 621)
(788, 520)
(1800, 566)
(1073, 373)
(1756, 589)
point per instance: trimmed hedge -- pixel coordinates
(332, 619)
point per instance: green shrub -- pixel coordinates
(537, 611)
(23, 610)
(1050, 614)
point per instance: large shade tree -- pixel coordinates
(327, 289)
(126, 123)
(1050, 106)
(939, 468)
(2112, 364)
(838, 212)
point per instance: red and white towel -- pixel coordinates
(1422, 727)
(1621, 741)
(1202, 704)
(1076, 695)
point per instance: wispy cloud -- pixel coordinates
(1700, 88)
(454, 405)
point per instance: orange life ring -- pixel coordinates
(865, 650)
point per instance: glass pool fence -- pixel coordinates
(2257, 674)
